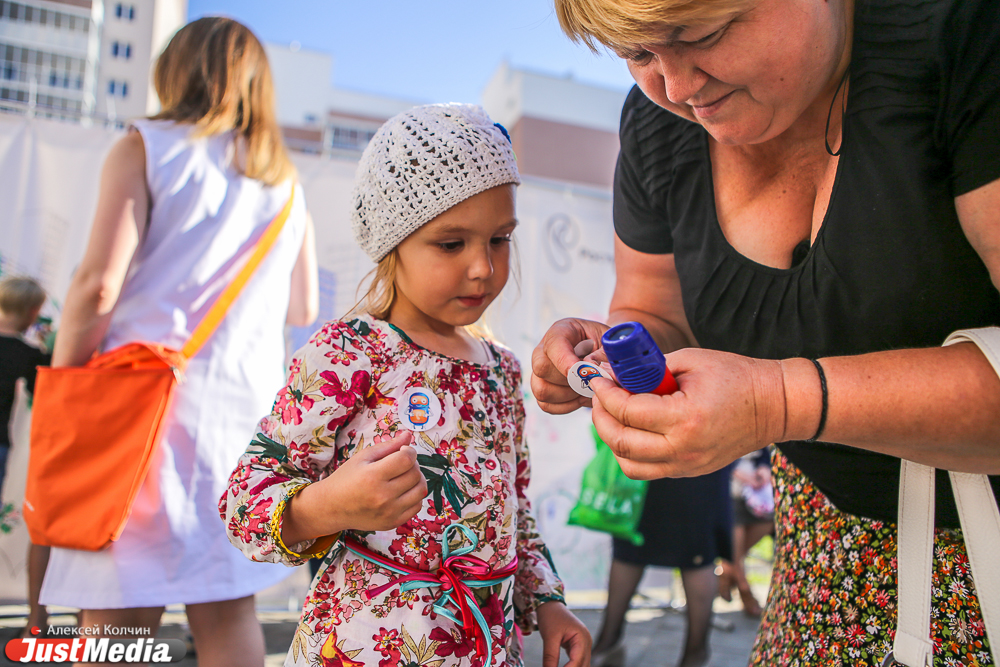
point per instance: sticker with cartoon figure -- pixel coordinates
(581, 373)
(418, 409)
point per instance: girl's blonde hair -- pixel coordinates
(620, 25)
(381, 293)
(214, 74)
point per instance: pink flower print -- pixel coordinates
(299, 451)
(290, 404)
(386, 428)
(493, 613)
(346, 395)
(882, 599)
(357, 573)
(252, 522)
(414, 544)
(239, 478)
(453, 642)
(387, 642)
(348, 609)
(341, 356)
(453, 450)
(855, 635)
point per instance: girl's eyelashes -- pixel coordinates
(501, 240)
(450, 246)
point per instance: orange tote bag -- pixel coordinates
(95, 428)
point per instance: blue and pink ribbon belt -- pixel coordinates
(457, 575)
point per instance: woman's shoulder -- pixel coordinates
(160, 130)
(653, 140)
(897, 35)
(642, 119)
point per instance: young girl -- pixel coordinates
(396, 446)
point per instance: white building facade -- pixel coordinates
(82, 58)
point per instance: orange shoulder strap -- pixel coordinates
(213, 318)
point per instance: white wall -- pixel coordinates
(512, 93)
(301, 82)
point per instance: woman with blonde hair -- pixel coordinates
(184, 197)
(807, 204)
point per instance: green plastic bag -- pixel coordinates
(609, 501)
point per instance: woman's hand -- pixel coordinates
(727, 406)
(379, 488)
(561, 629)
(563, 345)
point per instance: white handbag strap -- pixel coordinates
(977, 510)
(914, 557)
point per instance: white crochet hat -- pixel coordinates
(422, 162)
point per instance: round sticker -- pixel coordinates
(418, 409)
(581, 373)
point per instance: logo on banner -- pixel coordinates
(418, 409)
(65, 647)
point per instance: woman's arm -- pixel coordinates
(648, 291)
(936, 406)
(119, 225)
(303, 300)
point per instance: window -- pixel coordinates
(118, 88)
(121, 50)
(123, 11)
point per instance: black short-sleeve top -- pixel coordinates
(890, 266)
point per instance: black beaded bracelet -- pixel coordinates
(826, 401)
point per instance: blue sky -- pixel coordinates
(424, 50)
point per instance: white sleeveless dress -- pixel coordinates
(205, 220)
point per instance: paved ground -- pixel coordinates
(654, 636)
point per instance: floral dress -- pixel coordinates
(358, 382)
(832, 601)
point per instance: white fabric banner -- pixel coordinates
(49, 175)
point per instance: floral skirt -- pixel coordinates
(833, 587)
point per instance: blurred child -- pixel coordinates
(21, 301)
(753, 510)
(396, 447)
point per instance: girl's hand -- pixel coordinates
(379, 488)
(561, 348)
(561, 629)
(727, 406)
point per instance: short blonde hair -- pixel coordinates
(622, 24)
(20, 299)
(214, 74)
